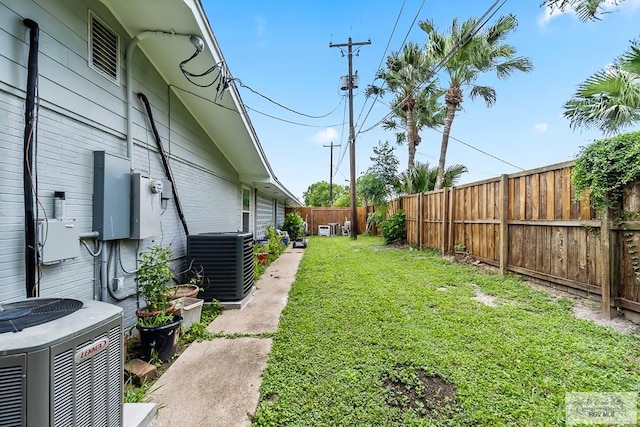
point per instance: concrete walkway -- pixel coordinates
(216, 383)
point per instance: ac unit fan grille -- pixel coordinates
(23, 314)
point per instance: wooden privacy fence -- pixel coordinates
(531, 224)
(315, 216)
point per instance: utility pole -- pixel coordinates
(352, 136)
(332, 146)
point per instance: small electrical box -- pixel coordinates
(59, 240)
(145, 206)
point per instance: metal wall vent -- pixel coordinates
(104, 49)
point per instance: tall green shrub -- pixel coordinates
(294, 225)
(395, 228)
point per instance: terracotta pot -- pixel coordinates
(189, 291)
(143, 312)
(263, 258)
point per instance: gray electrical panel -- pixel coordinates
(59, 240)
(146, 206)
(111, 196)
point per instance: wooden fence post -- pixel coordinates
(444, 201)
(420, 220)
(452, 194)
(607, 264)
(504, 224)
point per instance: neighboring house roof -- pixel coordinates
(226, 121)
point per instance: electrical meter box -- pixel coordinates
(146, 206)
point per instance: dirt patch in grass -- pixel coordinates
(583, 308)
(414, 389)
(485, 299)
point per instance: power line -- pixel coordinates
(456, 48)
(481, 151)
(284, 106)
(342, 134)
(290, 121)
(393, 31)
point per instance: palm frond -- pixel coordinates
(608, 99)
(485, 92)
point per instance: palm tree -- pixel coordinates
(404, 75)
(421, 178)
(587, 10)
(610, 98)
(428, 113)
(466, 52)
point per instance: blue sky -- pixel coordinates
(281, 50)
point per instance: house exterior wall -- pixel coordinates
(279, 213)
(80, 112)
(264, 215)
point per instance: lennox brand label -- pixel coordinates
(91, 350)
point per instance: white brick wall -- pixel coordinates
(264, 215)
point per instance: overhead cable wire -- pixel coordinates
(482, 151)
(379, 65)
(252, 109)
(284, 106)
(459, 45)
(384, 54)
(289, 121)
(343, 143)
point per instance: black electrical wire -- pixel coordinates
(384, 54)
(461, 43)
(30, 243)
(109, 290)
(285, 107)
(165, 162)
(289, 121)
(188, 75)
(481, 151)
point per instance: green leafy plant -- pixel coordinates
(395, 228)
(605, 167)
(276, 246)
(154, 276)
(161, 318)
(294, 225)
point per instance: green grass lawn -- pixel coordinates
(366, 324)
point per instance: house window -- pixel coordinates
(104, 48)
(246, 204)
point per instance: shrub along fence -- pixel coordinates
(530, 223)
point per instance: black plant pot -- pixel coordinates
(163, 340)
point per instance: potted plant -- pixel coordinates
(159, 329)
(189, 288)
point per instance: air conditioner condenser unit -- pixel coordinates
(61, 363)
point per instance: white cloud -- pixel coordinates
(548, 15)
(541, 127)
(261, 25)
(325, 136)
